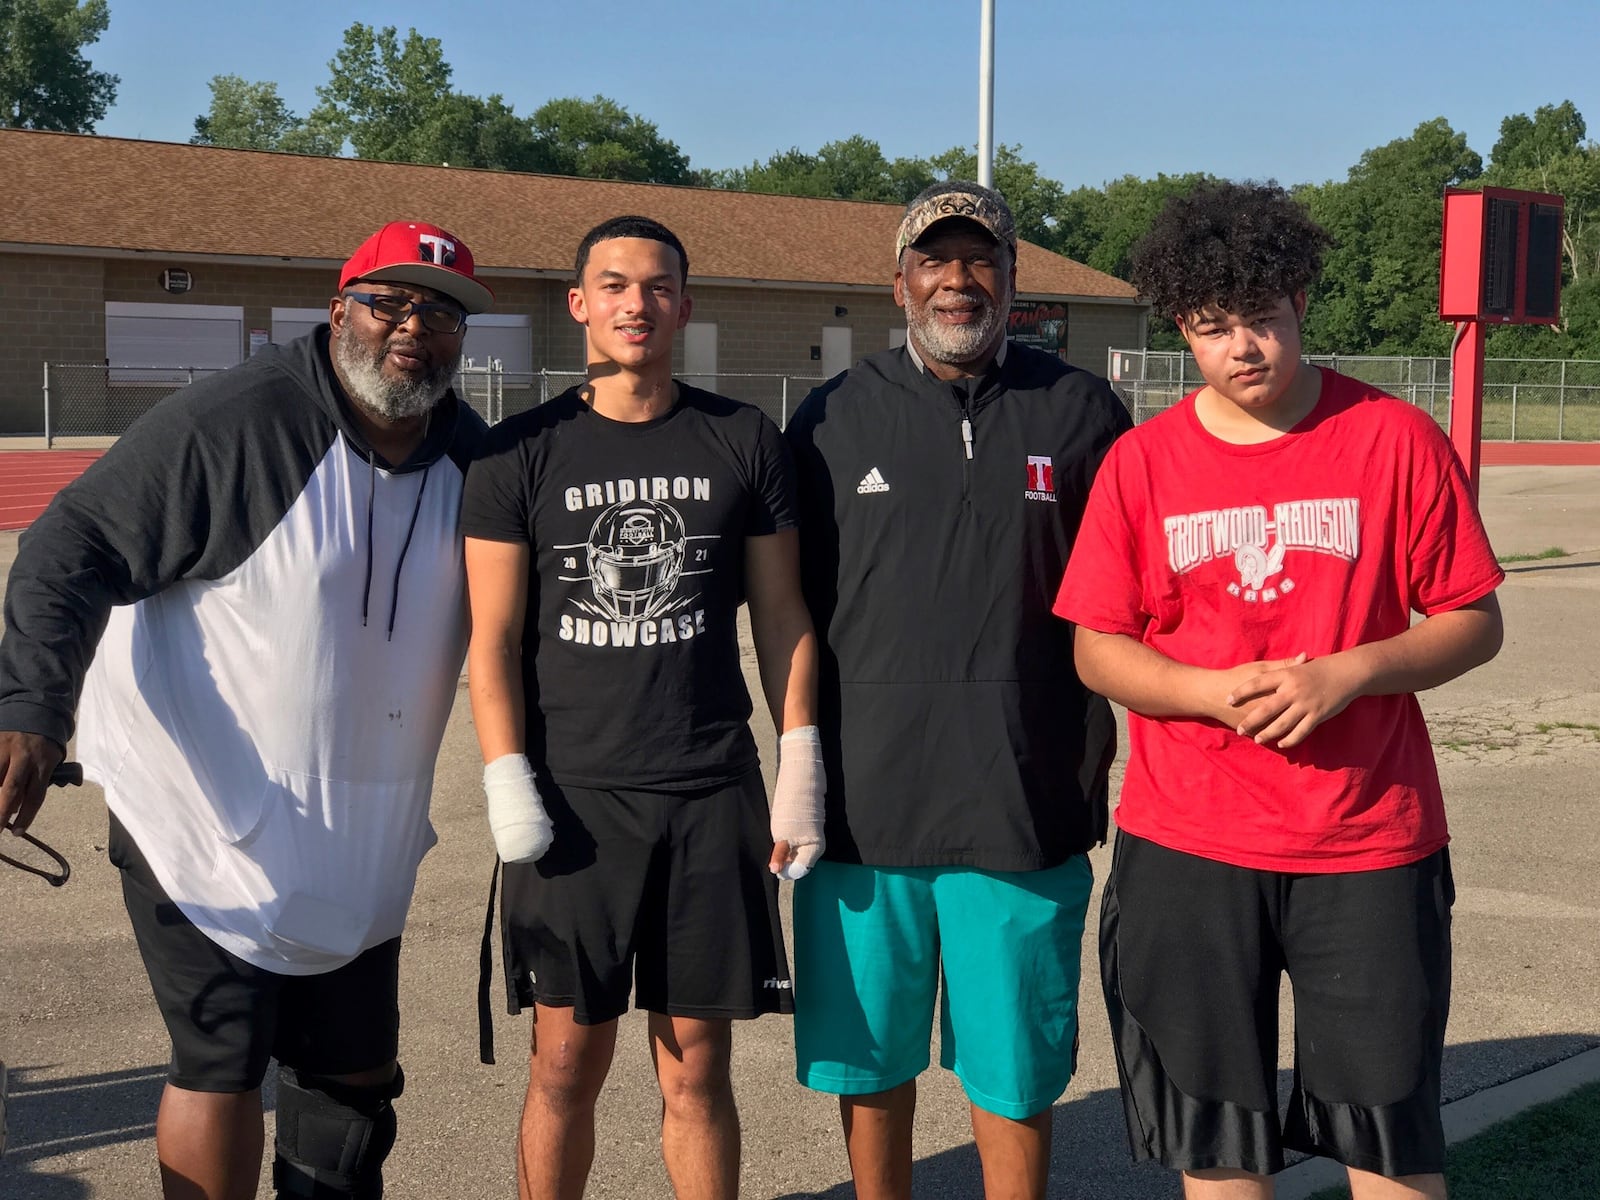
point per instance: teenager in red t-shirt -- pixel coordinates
(1244, 582)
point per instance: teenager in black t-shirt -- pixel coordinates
(611, 536)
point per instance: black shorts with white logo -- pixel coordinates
(1191, 955)
(226, 1017)
(667, 889)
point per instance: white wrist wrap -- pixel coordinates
(798, 807)
(522, 830)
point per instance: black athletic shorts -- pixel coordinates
(669, 891)
(226, 1018)
(1191, 955)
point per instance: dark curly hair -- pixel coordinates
(1238, 246)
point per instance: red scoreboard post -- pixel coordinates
(1500, 264)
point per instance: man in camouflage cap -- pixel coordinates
(940, 485)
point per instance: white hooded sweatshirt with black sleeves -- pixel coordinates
(280, 621)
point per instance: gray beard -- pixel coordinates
(393, 400)
(953, 343)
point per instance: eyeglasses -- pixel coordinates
(67, 774)
(396, 310)
(56, 877)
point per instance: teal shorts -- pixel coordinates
(871, 945)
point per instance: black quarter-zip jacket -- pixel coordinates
(936, 520)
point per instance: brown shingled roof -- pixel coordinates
(71, 190)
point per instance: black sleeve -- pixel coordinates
(187, 493)
(819, 534)
(1104, 419)
(496, 505)
(772, 503)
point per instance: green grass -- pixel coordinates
(1581, 727)
(1547, 552)
(1551, 1152)
(1538, 422)
(1534, 419)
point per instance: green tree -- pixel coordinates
(473, 131)
(252, 116)
(45, 81)
(1380, 283)
(790, 172)
(391, 100)
(1099, 226)
(382, 96)
(1551, 152)
(851, 169)
(600, 139)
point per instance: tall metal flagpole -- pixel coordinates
(986, 98)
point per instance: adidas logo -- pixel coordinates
(872, 482)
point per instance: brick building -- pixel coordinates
(147, 254)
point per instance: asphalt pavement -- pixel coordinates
(1518, 745)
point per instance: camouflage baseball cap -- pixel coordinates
(956, 198)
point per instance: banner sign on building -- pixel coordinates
(1041, 324)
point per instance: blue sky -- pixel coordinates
(1092, 90)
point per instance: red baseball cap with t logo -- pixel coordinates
(423, 255)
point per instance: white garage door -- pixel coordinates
(835, 350)
(506, 336)
(173, 338)
(700, 354)
(290, 323)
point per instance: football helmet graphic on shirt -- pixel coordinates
(635, 555)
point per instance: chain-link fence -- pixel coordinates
(1524, 399)
(94, 400)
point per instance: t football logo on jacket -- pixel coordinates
(1041, 478)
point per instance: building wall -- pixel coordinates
(51, 310)
(774, 331)
(54, 310)
(260, 289)
(1092, 329)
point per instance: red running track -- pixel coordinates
(29, 479)
(1541, 454)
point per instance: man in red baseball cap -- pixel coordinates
(266, 574)
(397, 325)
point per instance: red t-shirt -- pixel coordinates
(1322, 539)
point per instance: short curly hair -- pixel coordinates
(1235, 246)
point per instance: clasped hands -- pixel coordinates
(1279, 702)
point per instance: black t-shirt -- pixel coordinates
(630, 656)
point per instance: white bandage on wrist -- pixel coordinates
(522, 830)
(798, 808)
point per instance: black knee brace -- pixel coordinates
(332, 1137)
